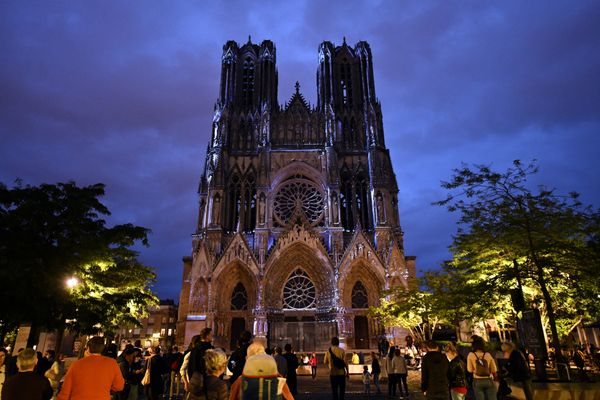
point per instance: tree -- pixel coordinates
(509, 233)
(50, 233)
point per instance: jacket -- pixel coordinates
(456, 373)
(434, 373)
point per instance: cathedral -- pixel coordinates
(298, 230)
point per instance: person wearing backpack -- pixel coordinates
(483, 367)
(260, 370)
(338, 369)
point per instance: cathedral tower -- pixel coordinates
(298, 230)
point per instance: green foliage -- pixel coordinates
(509, 233)
(49, 233)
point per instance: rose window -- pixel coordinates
(298, 193)
(299, 292)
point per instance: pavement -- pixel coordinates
(320, 389)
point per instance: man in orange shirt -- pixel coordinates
(92, 377)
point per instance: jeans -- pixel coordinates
(392, 379)
(338, 386)
(527, 389)
(401, 379)
(376, 382)
(484, 389)
(456, 395)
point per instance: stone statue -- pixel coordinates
(261, 209)
(334, 208)
(216, 209)
(380, 211)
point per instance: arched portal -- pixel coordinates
(299, 298)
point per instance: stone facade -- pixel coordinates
(298, 230)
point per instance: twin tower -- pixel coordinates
(298, 230)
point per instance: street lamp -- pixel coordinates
(72, 282)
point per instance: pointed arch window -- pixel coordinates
(359, 296)
(239, 298)
(362, 200)
(346, 83)
(248, 82)
(249, 202)
(233, 203)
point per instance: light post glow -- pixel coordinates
(72, 282)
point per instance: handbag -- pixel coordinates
(146, 378)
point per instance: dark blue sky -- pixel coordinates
(123, 92)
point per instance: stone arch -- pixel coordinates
(199, 297)
(298, 167)
(361, 271)
(296, 256)
(225, 283)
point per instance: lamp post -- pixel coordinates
(71, 283)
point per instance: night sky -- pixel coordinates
(122, 93)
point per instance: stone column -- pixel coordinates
(260, 326)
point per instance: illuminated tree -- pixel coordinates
(50, 233)
(509, 233)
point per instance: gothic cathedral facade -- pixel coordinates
(298, 230)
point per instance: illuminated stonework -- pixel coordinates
(298, 230)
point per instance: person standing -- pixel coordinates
(56, 373)
(130, 374)
(93, 376)
(392, 377)
(292, 365)
(216, 364)
(400, 372)
(313, 365)
(375, 371)
(434, 373)
(280, 361)
(27, 384)
(518, 368)
(238, 357)
(483, 367)
(197, 364)
(366, 378)
(338, 369)
(456, 373)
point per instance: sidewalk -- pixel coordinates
(320, 389)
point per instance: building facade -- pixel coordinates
(298, 230)
(159, 328)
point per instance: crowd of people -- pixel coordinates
(200, 373)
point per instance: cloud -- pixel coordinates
(123, 93)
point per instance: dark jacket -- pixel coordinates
(375, 368)
(236, 362)
(197, 358)
(434, 372)
(517, 366)
(216, 388)
(456, 373)
(27, 385)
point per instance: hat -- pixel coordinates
(260, 365)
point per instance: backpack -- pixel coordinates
(481, 366)
(337, 362)
(259, 388)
